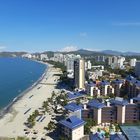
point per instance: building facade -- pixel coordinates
(72, 128)
(115, 111)
(137, 69)
(79, 73)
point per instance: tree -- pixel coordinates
(31, 120)
(53, 94)
(107, 134)
(36, 113)
(87, 129)
(117, 128)
(111, 95)
(89, 124)
(51, 126)
(99, 130)
(22, 138)
(46, 106)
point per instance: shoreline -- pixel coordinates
(13, 121)
(8, 108)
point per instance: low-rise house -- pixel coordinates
(72, 128)
(73, 109)
(113, 111)
(117, 84)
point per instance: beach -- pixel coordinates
(12, 124)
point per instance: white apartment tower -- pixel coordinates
(133, 62)
(79, 73)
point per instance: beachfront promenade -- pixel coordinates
(12, 124)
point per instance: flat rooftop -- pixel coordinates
(132, 132)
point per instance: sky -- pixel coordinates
(64, 25)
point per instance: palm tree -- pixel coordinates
(51, 126)
(36, 113)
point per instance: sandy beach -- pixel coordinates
(12, 124)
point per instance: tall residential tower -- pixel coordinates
(79, 73)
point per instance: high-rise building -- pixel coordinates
(137, 69)
(100, 58)
(79, 73)
(43, 57)
(88, 65)
(69, 62)
(133, 62)
(121, 61)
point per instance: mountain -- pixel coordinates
(84, 52)
(111, 52)
(11, 54)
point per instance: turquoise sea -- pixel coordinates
(16, 76)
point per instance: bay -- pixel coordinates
(16, 76)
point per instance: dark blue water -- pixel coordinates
(16, 75)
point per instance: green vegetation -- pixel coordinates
(107, 134)
(89, 124)
(31, 119)
(22, 138)
(62, 99)
(57, 65)
(117, 128)
(99, 129)
(46, 106)
(111, 95)
(51, 126)
(122, 72)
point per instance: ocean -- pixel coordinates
(16, 76)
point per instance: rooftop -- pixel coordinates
(96, 104)
(72, 122)
(97, 136)
(104, 82)
(75, 95)
(117, 137)
(118, 81)
(73, 107)
(118, 101)
(131, 79)
(137, 83)
(91, 84)
(131, 132)
(137, 98)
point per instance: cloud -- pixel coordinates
(83, 34)
(69, 48)
(127, 24)
(2, 47)
(90, 49)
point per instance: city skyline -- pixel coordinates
(69, 25)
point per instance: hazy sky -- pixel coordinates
(40, 25)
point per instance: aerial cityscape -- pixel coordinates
(70, 70)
